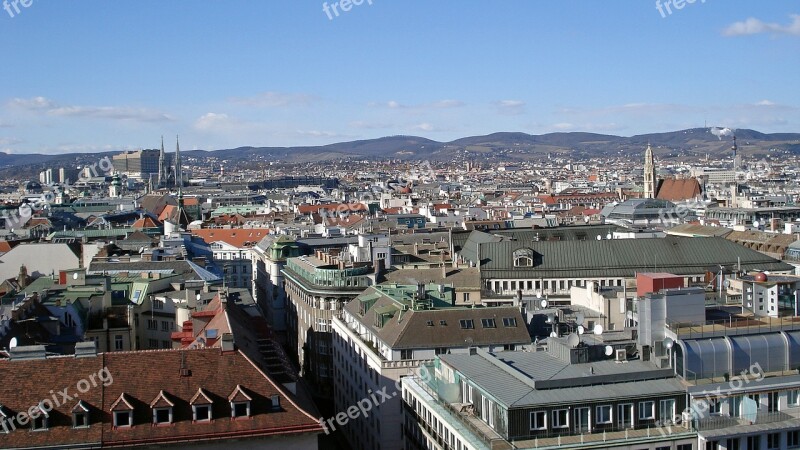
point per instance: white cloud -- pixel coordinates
(424, 127)
(50, 107)
(211, 121)
(10, 141)
(439, 104)
(510, 107)
(360, 124)
(585, 127)
(273, 99)
(753, 26)
(35, 103)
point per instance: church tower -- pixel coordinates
(162, 166)
(649, 173)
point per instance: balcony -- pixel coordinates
(723, 424)
(734, 326)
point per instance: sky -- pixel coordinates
(101, 75)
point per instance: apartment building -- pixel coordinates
(385, 333)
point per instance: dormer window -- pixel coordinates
(240, 403)
(201, 406)
(122, 410)
(162, 408)
(523, 257)
(80, 415)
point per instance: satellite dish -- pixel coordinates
(579, 319)
(599, 238)
(538, 295)
(598, 329)
(573, 340)
(543, 303)
(756, 224)
(13, 343)
(609, 236)
(553, 334)
(609, 350)
(198, 297)
(75, 276)
(581, 330)
(550, 318)
(727, 283)
(668, 342)
(749, 304)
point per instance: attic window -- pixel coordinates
(509, 322)
(466, 324)
(430, 323)
(443, 323)
(523, 257)
(488, 323)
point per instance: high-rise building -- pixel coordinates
(137, 164)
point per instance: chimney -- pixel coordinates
(227, 343)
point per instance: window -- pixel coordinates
(793, 438)
(523, 257)
(646, 410)
(164, 325)
(793, 398)
(443, 323)
(772, 402)
(488, 323)
(240, 409)
(275, 400)
(80, 419)
(773, 441)
(201, 413)
(685, 447)
(152, 324)
(123, 419)
(666, 410)
(538, 420)
(118, 342)
(560, 418)
(603, 414)
(40, 422)
(406, 354)
(509, 322)
(158, 304)
(162, 415)
(732, 444)
(466, 324)
(712, 445)
(430, 323)
(754, 442)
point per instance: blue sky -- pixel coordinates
(95, 75)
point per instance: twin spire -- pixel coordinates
(170, 174)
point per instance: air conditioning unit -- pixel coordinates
(621, 355)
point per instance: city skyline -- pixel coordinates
(291, 74)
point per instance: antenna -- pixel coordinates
(573, 340)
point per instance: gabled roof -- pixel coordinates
(122, 404)
(239, 395)
(162, 401)
(201, 398)
(676, 190)
(237, 237)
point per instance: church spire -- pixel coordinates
(649, 173)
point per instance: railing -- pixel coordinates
(462, 418)
(734, 326)
(717, 422)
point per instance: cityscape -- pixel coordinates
(374, 225)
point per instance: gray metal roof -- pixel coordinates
(619, 257)
(510, 377)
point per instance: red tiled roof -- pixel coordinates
(237, 237)
(145, 222)
(672, 189)
(174, 375)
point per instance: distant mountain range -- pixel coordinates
(497, 147)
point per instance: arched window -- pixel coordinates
(523, 257)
